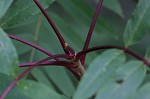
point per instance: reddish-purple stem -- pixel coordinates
(86, 44)
(66, 64)
(126, 50)
(27, 71)
(42, 50)
(30, 44)
(67, 49)
(50, 62)
(58, 63)
(69, 67)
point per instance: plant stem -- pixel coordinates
(126, 50)
(62, 41)
(30, 44)
(51, 62)
(27, 71)
(66, 64)
(58, 63)
(86, 44)
(44, 51)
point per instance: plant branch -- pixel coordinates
(27, 71)
(30, 44)
(62, 41)
(66, 64)
(42, 50)
(126, 50)
(86, 44)
(58, 63)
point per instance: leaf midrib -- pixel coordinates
(97, 74)
(138, 24)
(128, 76)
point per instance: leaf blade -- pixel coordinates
(114, 6)
(66, 86)
(21, 11)
(94, 78)
(16, 92)
(124, 82)
(8, 56)
(39, 91)
(138, 24)
(143, 92)
(4, 5)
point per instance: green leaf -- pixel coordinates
(15, 93)
(20, 11)
(138, 24)
(20, 47)
(147, 55)
(143, 92)
(123, 82)
(98, 73)
(82, 14)
(75, 40)
(8, 56)
(114, 6)
(39, 91)
(61, 79)
(41, 77)
(4, 5)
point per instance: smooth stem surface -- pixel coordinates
(62, 41)
(30, 44)
(86, 44)
(44, 51)
(126, 50)
(58, 63)
(27, 71)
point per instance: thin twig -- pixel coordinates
(65, 46)
(126, 50)
(30, 44)
(44, 51)
(86, 44)
(58, 63)
(27, 71)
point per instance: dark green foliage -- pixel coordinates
(109, 75)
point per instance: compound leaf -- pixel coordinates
(138, 24)
(20, 11)
(123, 82)
(98, 73)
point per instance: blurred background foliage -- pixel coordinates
(73, 18)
